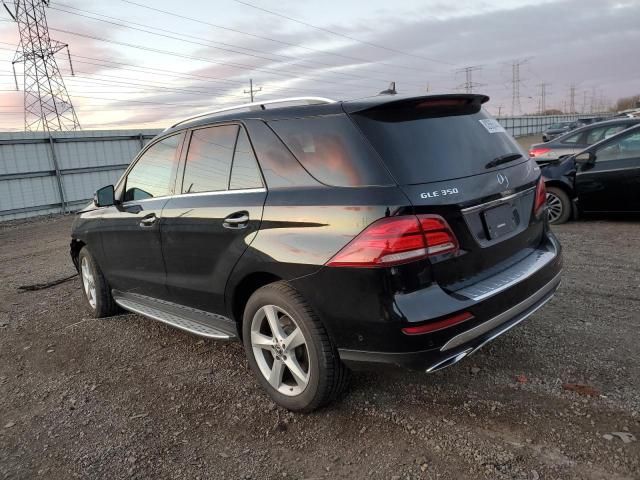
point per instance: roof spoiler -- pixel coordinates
(432, 103)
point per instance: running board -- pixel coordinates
(192, 320)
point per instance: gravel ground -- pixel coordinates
(127, 397)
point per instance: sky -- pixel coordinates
(146, 63)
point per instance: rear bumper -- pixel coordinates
(498, 303)
(461, 345)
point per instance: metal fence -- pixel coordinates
(42, 173)
(531, 125)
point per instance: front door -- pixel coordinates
(131, 234)
(207, 227)
(612, 183)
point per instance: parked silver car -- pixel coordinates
(577, 140)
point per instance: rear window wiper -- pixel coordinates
(509, 157)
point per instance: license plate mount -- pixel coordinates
(500, 221)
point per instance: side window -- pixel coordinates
(595, 135)
(209, 159)
(152, 174)
(624, 148)
(573, 138)
(611, 131)
(244, 171)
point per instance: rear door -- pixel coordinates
(131, 230)
(452, 159)
(612, 183)
(208, 226)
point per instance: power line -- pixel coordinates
(279, 72)
(127, 23)
(333, 32)
(269, 39)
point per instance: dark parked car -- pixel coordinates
(578, 140)
(603, 178)
(557, 129)
(401, 231)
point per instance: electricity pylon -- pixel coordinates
(47, 105)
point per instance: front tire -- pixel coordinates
(94, 286)
(558, 205)
(289, 350)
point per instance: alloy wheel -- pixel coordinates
(280, 350)
(554, 204)
(88, 282)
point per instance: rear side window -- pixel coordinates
(573, 138)
(332, 150)
(426, 148)
(209, 159)
(244, 171)
(152, 174)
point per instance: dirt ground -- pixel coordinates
(127, 397)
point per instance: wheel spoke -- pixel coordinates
(274, 323)
(295, 339)
(262, 341)
(296, 370)
(275, 376)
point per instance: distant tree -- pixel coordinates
(553, 111)
(626, 103)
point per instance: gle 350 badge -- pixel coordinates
(440, 193)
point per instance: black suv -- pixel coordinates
(403, 231)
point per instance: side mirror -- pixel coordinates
(104, 197)
(585, 158)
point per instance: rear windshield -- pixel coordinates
(421, 150)
(556, 126)
(332, 150)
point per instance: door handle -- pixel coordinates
(149, 220)
(236, 220)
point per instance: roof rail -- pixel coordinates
(259, 106)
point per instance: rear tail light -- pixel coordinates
(438, 325)
(536, 152)
(541, 197)
(395, 240)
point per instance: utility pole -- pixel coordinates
(584, 101)
(251, 90)
(500, 107)
(542, 105)
(47, 105)
(469, 84)
(516, 107)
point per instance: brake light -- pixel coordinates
(541, 197)
(396, 240)
(536, 152)
(439, 325)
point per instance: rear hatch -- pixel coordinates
(453, 159)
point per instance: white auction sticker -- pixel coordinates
(492, 125)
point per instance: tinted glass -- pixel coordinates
(572, 138)
(244, 172)
(624, 148)
(431, 149)
(332, 150)
(209, 159)
(152, 175)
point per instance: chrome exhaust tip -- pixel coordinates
(447, 362)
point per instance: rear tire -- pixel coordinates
(95, 288)
(558, 205)
(289, 350)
